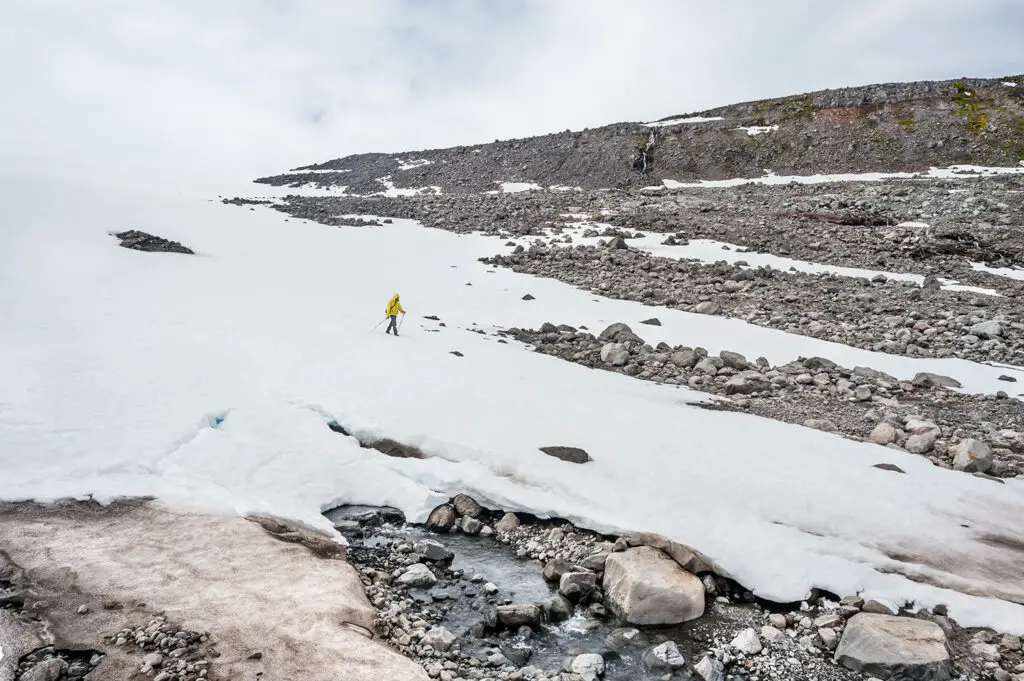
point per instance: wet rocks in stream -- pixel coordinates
(485, 613)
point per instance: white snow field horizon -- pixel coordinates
(208, 381)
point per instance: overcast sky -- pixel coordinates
(251, 87)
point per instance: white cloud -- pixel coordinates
(246, 87)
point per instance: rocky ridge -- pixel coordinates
(897, 126)
(920, 416)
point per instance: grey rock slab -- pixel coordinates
(615, 354)
(889, 647)
(665, 656)
(589, 667)
(432, 550)
(927, 380)
(569, 454)
(439, 638)
(971, 456)
(515, 616)
(577, 585)
(47, 670)
(418, 576)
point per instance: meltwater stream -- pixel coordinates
(551, 647)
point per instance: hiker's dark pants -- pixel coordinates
(393, 326)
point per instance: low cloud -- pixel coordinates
(173, 87)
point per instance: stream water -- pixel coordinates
(552, 646)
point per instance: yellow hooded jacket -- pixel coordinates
(394, 307)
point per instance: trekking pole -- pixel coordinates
(376, 325)
(401, 320)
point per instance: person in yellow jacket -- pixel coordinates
(393, 309)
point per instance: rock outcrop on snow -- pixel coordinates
(141, 241)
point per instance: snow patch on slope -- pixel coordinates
(755, 130)
(679, 121)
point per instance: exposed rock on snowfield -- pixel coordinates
(570, 454)
(644, 586)
(140, 241)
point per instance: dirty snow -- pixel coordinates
(771, 178)
(758, 129)
(207, 381)
(678, 121)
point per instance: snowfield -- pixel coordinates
(208, 381)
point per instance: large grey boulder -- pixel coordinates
(418, 576)
(577, 585)
(684, 359)
(987, 329)
(467, 506)
(432, 550)
(926, 380)
(515, 616)
(644, 586)
(889, 647)
(508, 522)
(589, 667)
(439, 638)
(884, 433)
(747, 382)
(615, 354)
(972, 456)
(619, 333)
(664, 657)
(733, 360)
(442, 519)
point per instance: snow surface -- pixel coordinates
(411, 165)
(516, 187)
(1009, 83)
(677, 121)
(711, 251)
(1010, 272)
(207, 381)
(770, 178)
(758, 129)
